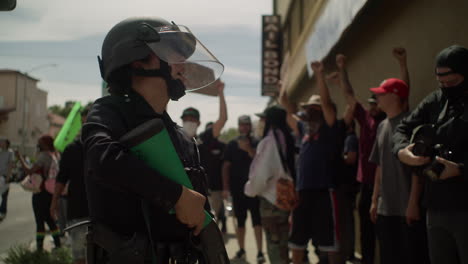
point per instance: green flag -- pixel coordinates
(70, 128)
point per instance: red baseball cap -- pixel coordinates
(392, 85)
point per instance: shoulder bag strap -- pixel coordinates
(278, 147)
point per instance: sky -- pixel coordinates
(57, 41)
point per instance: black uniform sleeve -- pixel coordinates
(419, 116)
(111, 163)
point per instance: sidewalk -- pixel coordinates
(230, 239)
(250, 244)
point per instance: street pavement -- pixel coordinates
(250, 244)
(19, 228)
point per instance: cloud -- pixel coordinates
(60, 92)
(70, 34)
(69, 20)
(240, 73)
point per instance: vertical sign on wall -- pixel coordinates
(271, 54)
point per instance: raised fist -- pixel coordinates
(399, 53)
(317, 66)
(340, 61)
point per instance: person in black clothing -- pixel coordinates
(211, 154)
(318, 174)
(146, 62)
(348, 189)
(445, 194)
(237, 158)
(6, 167)
(71, 172)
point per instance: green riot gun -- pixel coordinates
(151, 143)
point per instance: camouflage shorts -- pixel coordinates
(276, 227)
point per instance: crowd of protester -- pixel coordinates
(389, 174)
(406, 168)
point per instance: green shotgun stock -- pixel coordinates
(151, 143)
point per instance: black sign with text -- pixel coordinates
(271, 54)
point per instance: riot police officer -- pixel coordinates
(146, 62)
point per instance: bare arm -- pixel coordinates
(25, 167)
(400, 54)
(223, 117)
(376, 194)
(349, 114)
(345, 84)
(328, 109)
(54, 205)
(350, 158)
(406, 156)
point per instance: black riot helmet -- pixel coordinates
(136, 38)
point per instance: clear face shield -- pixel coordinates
(191, 62)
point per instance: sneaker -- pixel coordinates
(260, 258)
(2, 216)
(240, 254)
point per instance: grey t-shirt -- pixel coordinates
(6, 160)
(395, 185)
(44, 159)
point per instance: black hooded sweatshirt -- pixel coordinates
(450, 115)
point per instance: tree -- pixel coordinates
(65, 110)
(229, 134)
(62, 111)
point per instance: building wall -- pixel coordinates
(7, 96)
(281, 7)
(423, 27)
(8, 90)
(30, 113)
(298, 19)
(38, 123)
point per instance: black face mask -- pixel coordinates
(314, 116)
(454, 57)
(380, 116)
(175, 87)
(455, 92)
(315, 119)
